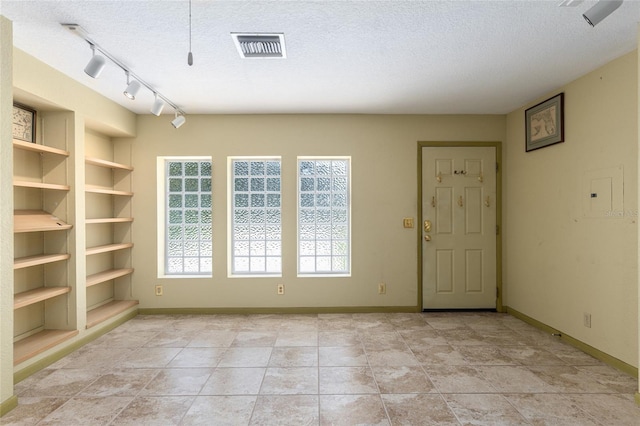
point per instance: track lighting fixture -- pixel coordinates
(132, 88)
(158, 106)
(96, 64)
(178, 121)
(601, 10)
(134, 82)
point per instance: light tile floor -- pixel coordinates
(333, 369)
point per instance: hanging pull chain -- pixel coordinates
(190, 55)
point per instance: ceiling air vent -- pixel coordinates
(262, 46)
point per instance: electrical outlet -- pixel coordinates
(586, 319)
(382, 288)
(280, 288)
(159, 290)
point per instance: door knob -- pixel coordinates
(427, 237)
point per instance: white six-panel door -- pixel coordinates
(459, 227)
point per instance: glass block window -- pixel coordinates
(256, 214)
(324, 236)
(189, 232)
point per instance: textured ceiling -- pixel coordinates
(381, 57)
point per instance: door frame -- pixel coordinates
(498, 147)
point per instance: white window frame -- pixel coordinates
(324, 274)
(230, 203)
(162, 194)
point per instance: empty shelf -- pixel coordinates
(38, 343)
(107, 248)
(36, 220)
(108, 164)
(26, 298)
(40, 185)
(29, 146)
(41, 259)
(109, 275)
(109, 220)
(101, 190)
(111, 309)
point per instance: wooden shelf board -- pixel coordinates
(101, 190)
(107, 248)
(108, 164)
(26, 298)
(28, 146)
(109, 220)
(41, 259)
(40, 185)
(36, 220)
(111, 309)
(109, 275)
(38, 343)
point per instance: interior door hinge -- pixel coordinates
(497, 229)
(497, 167)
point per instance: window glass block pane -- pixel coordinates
(307, 184)
(257, 231)
(241, 248)
(175, 216)
(206, 265)
(241, 168)
(340, 248)
(273, 184)
(258, 216)
(307, 168)
(323, 232)
(206, 249)
(191, 185)
(257, 200)
(257, 184)
(339, 168)
(339, 200)
(324, 200)
(323, 167)
(257, 168)
(241, 216)
(191, 200)
(175, 200)
(273, 168)
(191, 248)
(257, 248)
(241, 232)
(191, 232)
(175, 185)
(307, 265)
(324, 184)
(205, 184)
(174, 265)
(206, 233)
(273, 216)
(205, 201)
(339, 216)
(307, 216)
(273, 200)
(339, 264)
(323, 263)
(241, 184)
(274, 264)
(175, 169)
(205, 217)
(240, 264)
(191, 265)
(307, 200)
(190, 169)
(274, 248)
(257, 264)
(307, 232)
(242, 200)
(175, 233)
(340, 232)
(323, 217)
(205, 168)
(191, 216)
(273, 232)
(340, 184)
(323, 248)
(175, 248)
(307, 248)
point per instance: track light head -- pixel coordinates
(96, 64)
(132, 89)
(601, 10)
(178, 121)
(158, 106)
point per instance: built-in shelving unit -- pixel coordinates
(108, 228)
(44, 314)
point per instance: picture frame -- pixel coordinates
(24, 123)
(544, 123)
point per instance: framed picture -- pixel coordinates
(24, 123)
(545, 123)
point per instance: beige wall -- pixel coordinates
(559, 262)
(384, 191)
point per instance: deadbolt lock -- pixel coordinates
(427, 226)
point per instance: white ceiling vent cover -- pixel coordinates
(260, 46)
